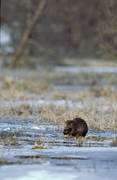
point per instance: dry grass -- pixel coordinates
(26, 84)
(39, 145)
(94, 113)
(114, 142)
(98, 102)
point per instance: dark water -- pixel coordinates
(57, 157)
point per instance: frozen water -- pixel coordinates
(75, 70)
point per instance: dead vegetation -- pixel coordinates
(114, 142)
(98, 115)
(34, 93)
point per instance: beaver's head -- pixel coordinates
(68, 127)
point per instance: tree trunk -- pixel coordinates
(27, 34)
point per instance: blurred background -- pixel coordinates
(65, 29)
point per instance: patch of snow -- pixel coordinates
(4, 37)
(37, 172)
(75, 70)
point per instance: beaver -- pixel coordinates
(76, 127)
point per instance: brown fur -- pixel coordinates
(76, 127)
